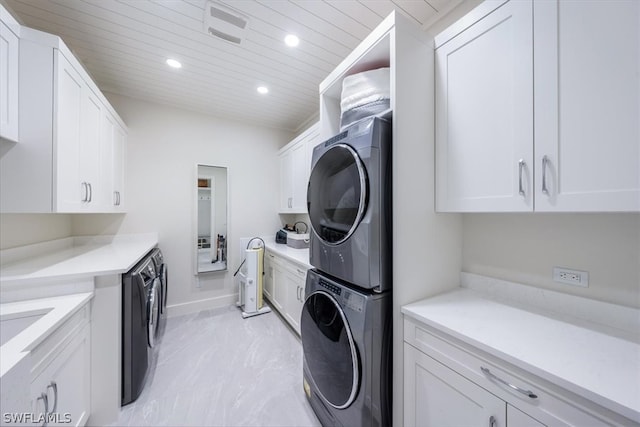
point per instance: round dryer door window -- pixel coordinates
(329, 349)
(337, 194)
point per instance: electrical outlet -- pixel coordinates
(571, 277)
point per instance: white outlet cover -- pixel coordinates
(571, 277)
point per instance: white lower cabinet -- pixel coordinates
(437, 396)
(284, 286)
(450, 384)
(60, 384)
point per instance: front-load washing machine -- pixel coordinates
(140, 299)
(349, 205)
(346, 340)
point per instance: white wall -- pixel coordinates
(25, 229)
(164, 146)
(525, 247)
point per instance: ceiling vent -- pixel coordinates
(224, 22)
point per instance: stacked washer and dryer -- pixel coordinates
(346, 318)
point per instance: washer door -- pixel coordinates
(152, 312)
(337, 194)
(329, 350)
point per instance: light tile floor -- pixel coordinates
(215, 368)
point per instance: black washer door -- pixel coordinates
(329, 349)
(337, 194)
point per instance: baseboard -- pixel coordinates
(203, 304)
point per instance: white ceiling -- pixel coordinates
(123, 44)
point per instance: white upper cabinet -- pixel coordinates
(9, 74)
(542, 117)
(71, 152)
(484, 114)
(587, 105)
(295, 167)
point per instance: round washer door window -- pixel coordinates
(329, 349)
(337, 194)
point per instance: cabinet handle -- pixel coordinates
(45, 400)
(492, 421)
(115, 198)
(491, 376)
(85, 190)
(521, 165)
(53, 385)
(545, 160)
(90, 192)
(119, 199)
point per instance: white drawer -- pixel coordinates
(553, 405)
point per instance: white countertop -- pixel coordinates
(299, 256)
(74, 257)
(57, 309)
(602, 367)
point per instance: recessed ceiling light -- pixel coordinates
(292, 40)
(173, 63)
(263, 90)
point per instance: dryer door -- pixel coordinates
(337, 194)
(329, 349)
(153, 311)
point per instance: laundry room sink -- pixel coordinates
(12, 324)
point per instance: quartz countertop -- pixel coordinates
(299, 256)
(74, 257)
(601, 365)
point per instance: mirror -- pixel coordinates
(211, 219)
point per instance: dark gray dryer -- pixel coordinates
(163, 275)
(346, 341)
(349, 205)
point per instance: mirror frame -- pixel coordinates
(194, 232)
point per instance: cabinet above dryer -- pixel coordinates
(71, 151)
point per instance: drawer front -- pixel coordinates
(552, 405)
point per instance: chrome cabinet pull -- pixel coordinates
(115, 198)
(45, 400)
(119, 199)
(491, 376)
(521, 165)
(85, 191)
(90, 192)
(492, 421)
(53, 386)
(545, 160)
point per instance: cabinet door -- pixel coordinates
(107, 158)
(295, 279)
(267, 287)
(90, 140)
(279, 286)
(119, 147)
(300, 177)
(484, 114)
(286, 181)
(587, 105)
(66, 382)
(517, 418)
(435, 395)
(70, 191)
(9, 67)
